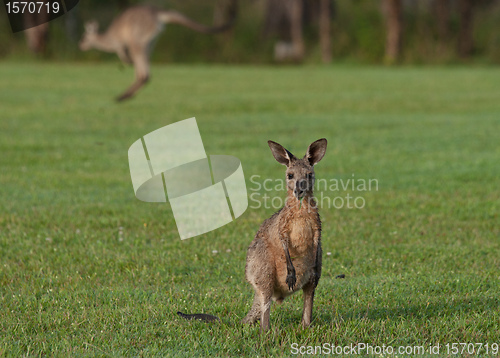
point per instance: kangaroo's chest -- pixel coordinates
(301, 235)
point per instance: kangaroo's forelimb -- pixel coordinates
(291, 278)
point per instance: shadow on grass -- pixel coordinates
(448, 308)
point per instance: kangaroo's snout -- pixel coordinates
(300, 188)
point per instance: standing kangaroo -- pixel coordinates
(285, 255)
(132, 35)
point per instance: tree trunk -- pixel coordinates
(394, 30)
(465, 38)
(296, 15)
(36, 36)
(225, 12)
(443, 20)
(72, 23)
(277, 20)
(123, 4)
(324, 31)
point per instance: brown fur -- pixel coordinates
(285, 255)
(132, 35)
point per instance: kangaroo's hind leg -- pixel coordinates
(140, 59)
(265, 313)
(254, 313)
(260, 273)
(308, 304)
(261, 308)
(309, 289)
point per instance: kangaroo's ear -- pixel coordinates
(282, 155)
(316, 151)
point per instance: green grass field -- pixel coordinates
(87, 269)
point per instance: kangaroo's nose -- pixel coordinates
(302, 185)
(300, 188)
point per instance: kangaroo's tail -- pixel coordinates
(174, 17)
(199, 316)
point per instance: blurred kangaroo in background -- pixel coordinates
(132, 35)
(285, 255)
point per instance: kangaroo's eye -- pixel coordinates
(290, 176)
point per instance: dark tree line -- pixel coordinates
(395, 22)
(287, 19)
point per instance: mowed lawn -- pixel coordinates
(87, 269)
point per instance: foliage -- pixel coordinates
(358, 34)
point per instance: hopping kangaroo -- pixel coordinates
(285, 255)
(132, 35)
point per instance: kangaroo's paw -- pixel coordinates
(291, 280)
